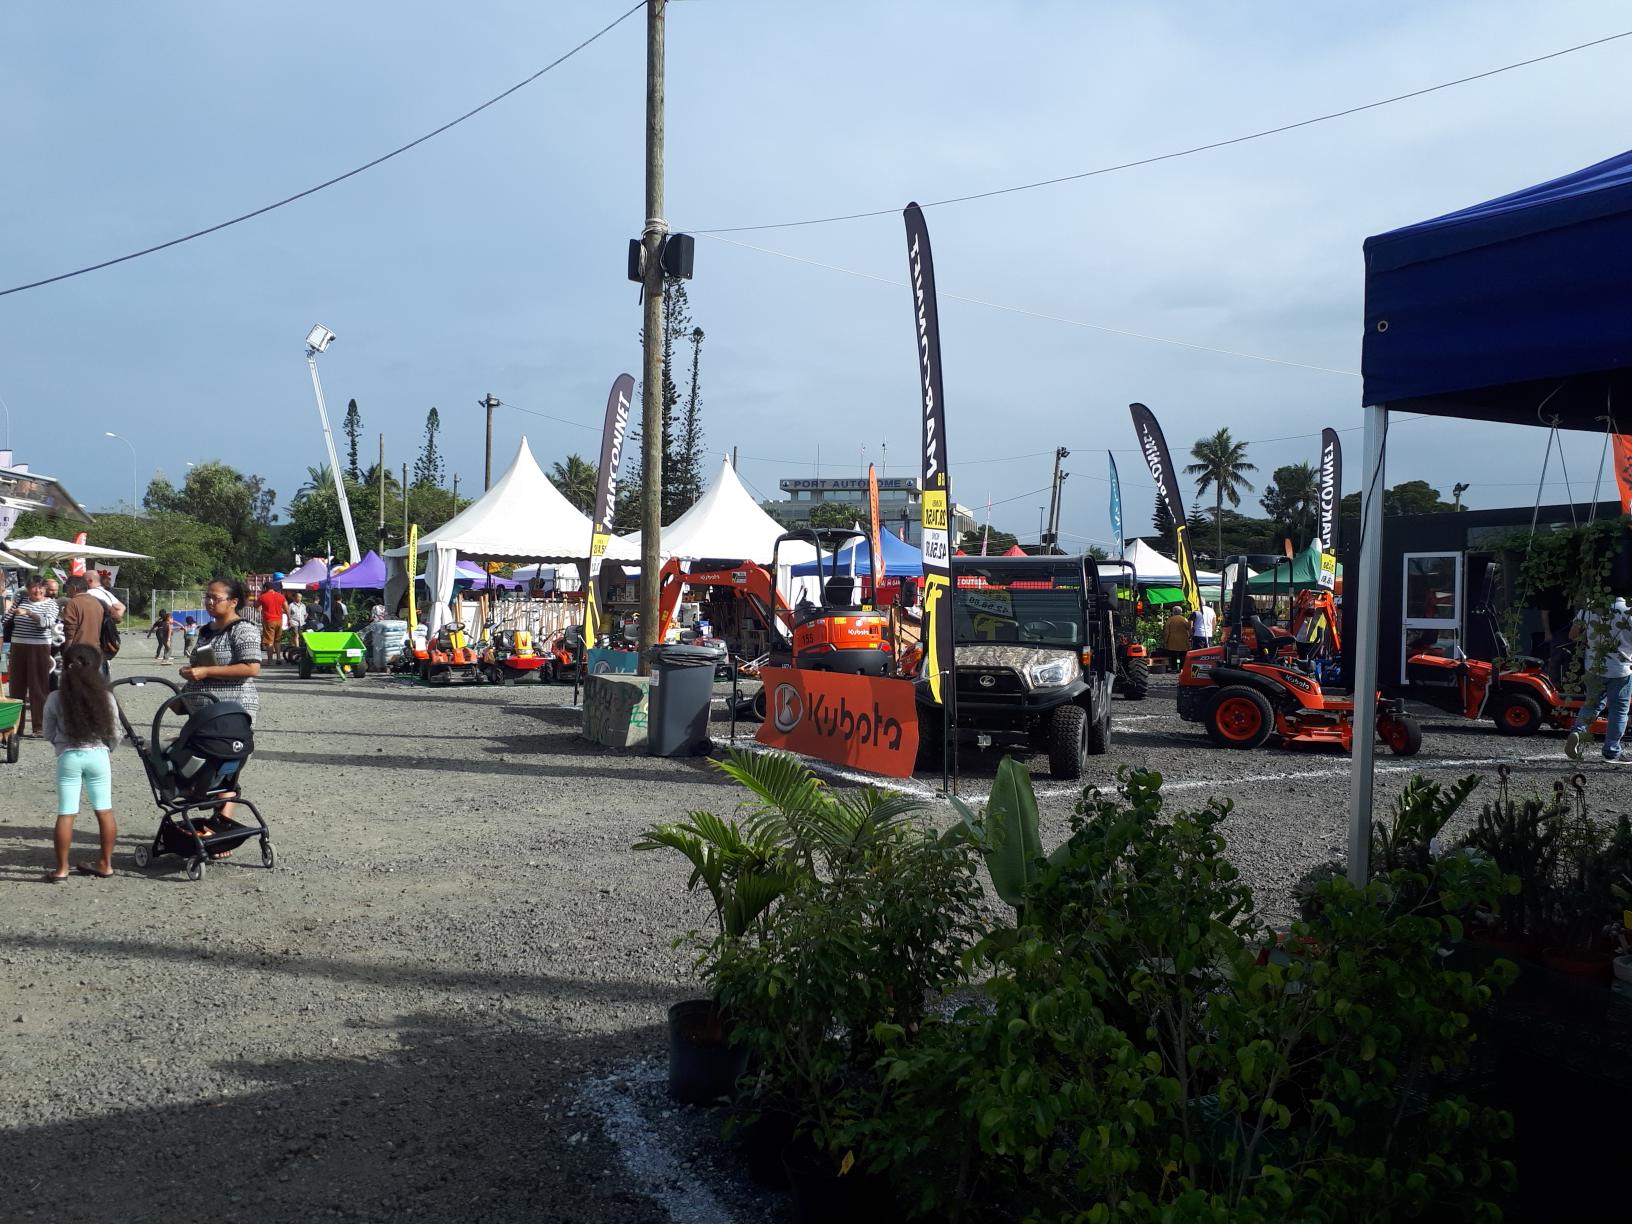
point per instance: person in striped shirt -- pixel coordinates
(31, 621)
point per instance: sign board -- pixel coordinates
(603, 662)
(1327, 577)
(869, 722)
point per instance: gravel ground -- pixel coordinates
(445, 1000)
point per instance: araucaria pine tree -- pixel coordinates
(428, 467)
(354, 430)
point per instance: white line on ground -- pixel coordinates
(643, 1150)
(1338, 771)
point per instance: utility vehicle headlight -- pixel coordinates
(1051, 674)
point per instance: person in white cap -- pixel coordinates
(1607, 638)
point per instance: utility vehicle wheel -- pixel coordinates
(1518, 715)
(759, 704)
(141, 856)
(1067, 742)
(1403, 735)
(305, 667)
(1136, 679)
(14, 746)
(1099, 733)
(269, 856)
(1240, 717)
(194, 869)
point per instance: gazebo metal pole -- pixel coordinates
(1367, 615)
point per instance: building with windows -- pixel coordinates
(899, 506)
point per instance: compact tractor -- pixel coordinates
(1035, 648)
(1265, 683)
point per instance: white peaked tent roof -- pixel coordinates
(725, 523)
(523, 517)
(1155, 569)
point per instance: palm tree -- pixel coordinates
(317, 478)
(576, 478)
(1221, 464)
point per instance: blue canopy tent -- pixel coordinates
(901, 560)
(1516, 310)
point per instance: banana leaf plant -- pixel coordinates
(1006, 833)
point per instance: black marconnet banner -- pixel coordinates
(606, 497)
(1153, 446)
(937, 492)
(1331, 489)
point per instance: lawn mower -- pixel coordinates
(1520, 699)
(1264, 683)
(445, 656)
(566, 654)
(508, 657)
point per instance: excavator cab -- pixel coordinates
(835, 631)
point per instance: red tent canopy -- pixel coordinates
(1014, 550)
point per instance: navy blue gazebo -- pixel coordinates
(1517, 310)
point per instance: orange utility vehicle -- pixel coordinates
(1264, 682)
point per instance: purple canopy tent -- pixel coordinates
(469, 571)
(367, 575)
(313, 570)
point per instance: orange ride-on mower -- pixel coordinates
(1247, 694)
(510, 658)
(446, 656)
(1520, 699)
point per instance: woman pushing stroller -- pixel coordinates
(82, 723)
(226, 661)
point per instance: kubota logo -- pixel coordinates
(787, 708)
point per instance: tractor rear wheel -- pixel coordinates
(931, 746)
(1403, 734)
(1518, 715)
(1240, 717)
(1136, 679)
(1067, 742)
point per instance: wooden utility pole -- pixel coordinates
(489, 403)
(456, 492)
(651, 386)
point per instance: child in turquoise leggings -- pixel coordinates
(82, 723)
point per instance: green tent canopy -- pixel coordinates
(1301, 572)
(1158, 596)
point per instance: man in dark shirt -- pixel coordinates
(82, 616)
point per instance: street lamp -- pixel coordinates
(318, 340)
(134, 504)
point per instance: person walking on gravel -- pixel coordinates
(273, 608)
(1202, 622)
(32, 621)
(162, 629)
(82, 723)
(1608, 661)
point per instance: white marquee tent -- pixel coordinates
(523, 517)
(725, 524)
(1157, 570)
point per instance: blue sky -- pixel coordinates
(491, 259)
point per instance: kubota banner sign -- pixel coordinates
(870, 722)
(613, 430)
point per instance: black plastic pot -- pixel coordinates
(703, 1066)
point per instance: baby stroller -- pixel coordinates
(195, 776)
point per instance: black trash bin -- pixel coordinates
(682, 690)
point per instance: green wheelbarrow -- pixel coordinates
(11, 729)
(341, 651)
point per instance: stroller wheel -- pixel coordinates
(142, 856)
(269, 856)
(195, 868)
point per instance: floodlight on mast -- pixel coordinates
(317, 341)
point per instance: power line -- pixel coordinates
(548, 417)
(339, 178)
(1161, 157)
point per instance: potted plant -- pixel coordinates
(1580, 938)
(744, 872)
(1522, 839)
